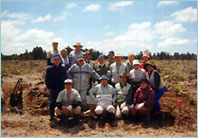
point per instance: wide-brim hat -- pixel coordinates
(136, 62)
(80, 58)
(86, 52)
(150, 62)
(77, 44)
(68, 81)
(146, 55)
(118, 55)
(54, 42)
(104, 77)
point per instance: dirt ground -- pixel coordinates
(34, 122)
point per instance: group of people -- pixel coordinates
(110, 87)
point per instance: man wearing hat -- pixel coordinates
(101, 68)
(122, 89)
(86, 56)
(52, 52)
(81, 73)
(104, 99)
(55, 76)
(116, 69)
(157, 84)
(68, 103)
(76, 53)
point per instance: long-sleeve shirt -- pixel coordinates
(73, 56)
(116, 70)
(155, 80)
(137, 75)
(102, 90)
(81, 76)
(145, 96)
(50, 55)
(122, 91)
(68, 98)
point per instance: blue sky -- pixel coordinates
(122, 26)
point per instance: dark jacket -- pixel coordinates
(145, 96)
(55, 77)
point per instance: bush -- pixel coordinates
(191, 100)
(177, 90)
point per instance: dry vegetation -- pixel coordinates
(180, 77)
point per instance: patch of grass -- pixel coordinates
(177, 90)
(191, 100)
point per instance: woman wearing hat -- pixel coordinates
(136, 74)
(157, 84)
(76, 53)
(146, 58)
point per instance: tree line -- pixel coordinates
(38, 53)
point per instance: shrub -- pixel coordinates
(177, 90)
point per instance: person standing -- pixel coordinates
(111, 59)
(52, 52)
(73, 55)
(81, 73)
(101, 68)
(64, 59)
(55, 76)
(87, 57)
(116, 69)
(129, 63)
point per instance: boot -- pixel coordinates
(77, 119)
(63, 119)
(111, 119)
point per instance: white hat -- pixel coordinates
(68, 81)
(136, 62)
(118, 55)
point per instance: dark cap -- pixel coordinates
(56, 57)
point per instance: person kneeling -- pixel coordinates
(68, 103)
(104, 99)
(143, 101)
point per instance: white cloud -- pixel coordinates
(118, 6)
(133, 38)
(42, 19)
(187, 15)
(16, 15)
(92, 7)
(109, 34)
(168, 28)
(71, 5)
(14, 40)
(62, 16)
(170, 42)
(106, 27)
(167, 3)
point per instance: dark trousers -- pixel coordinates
(53, 96)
